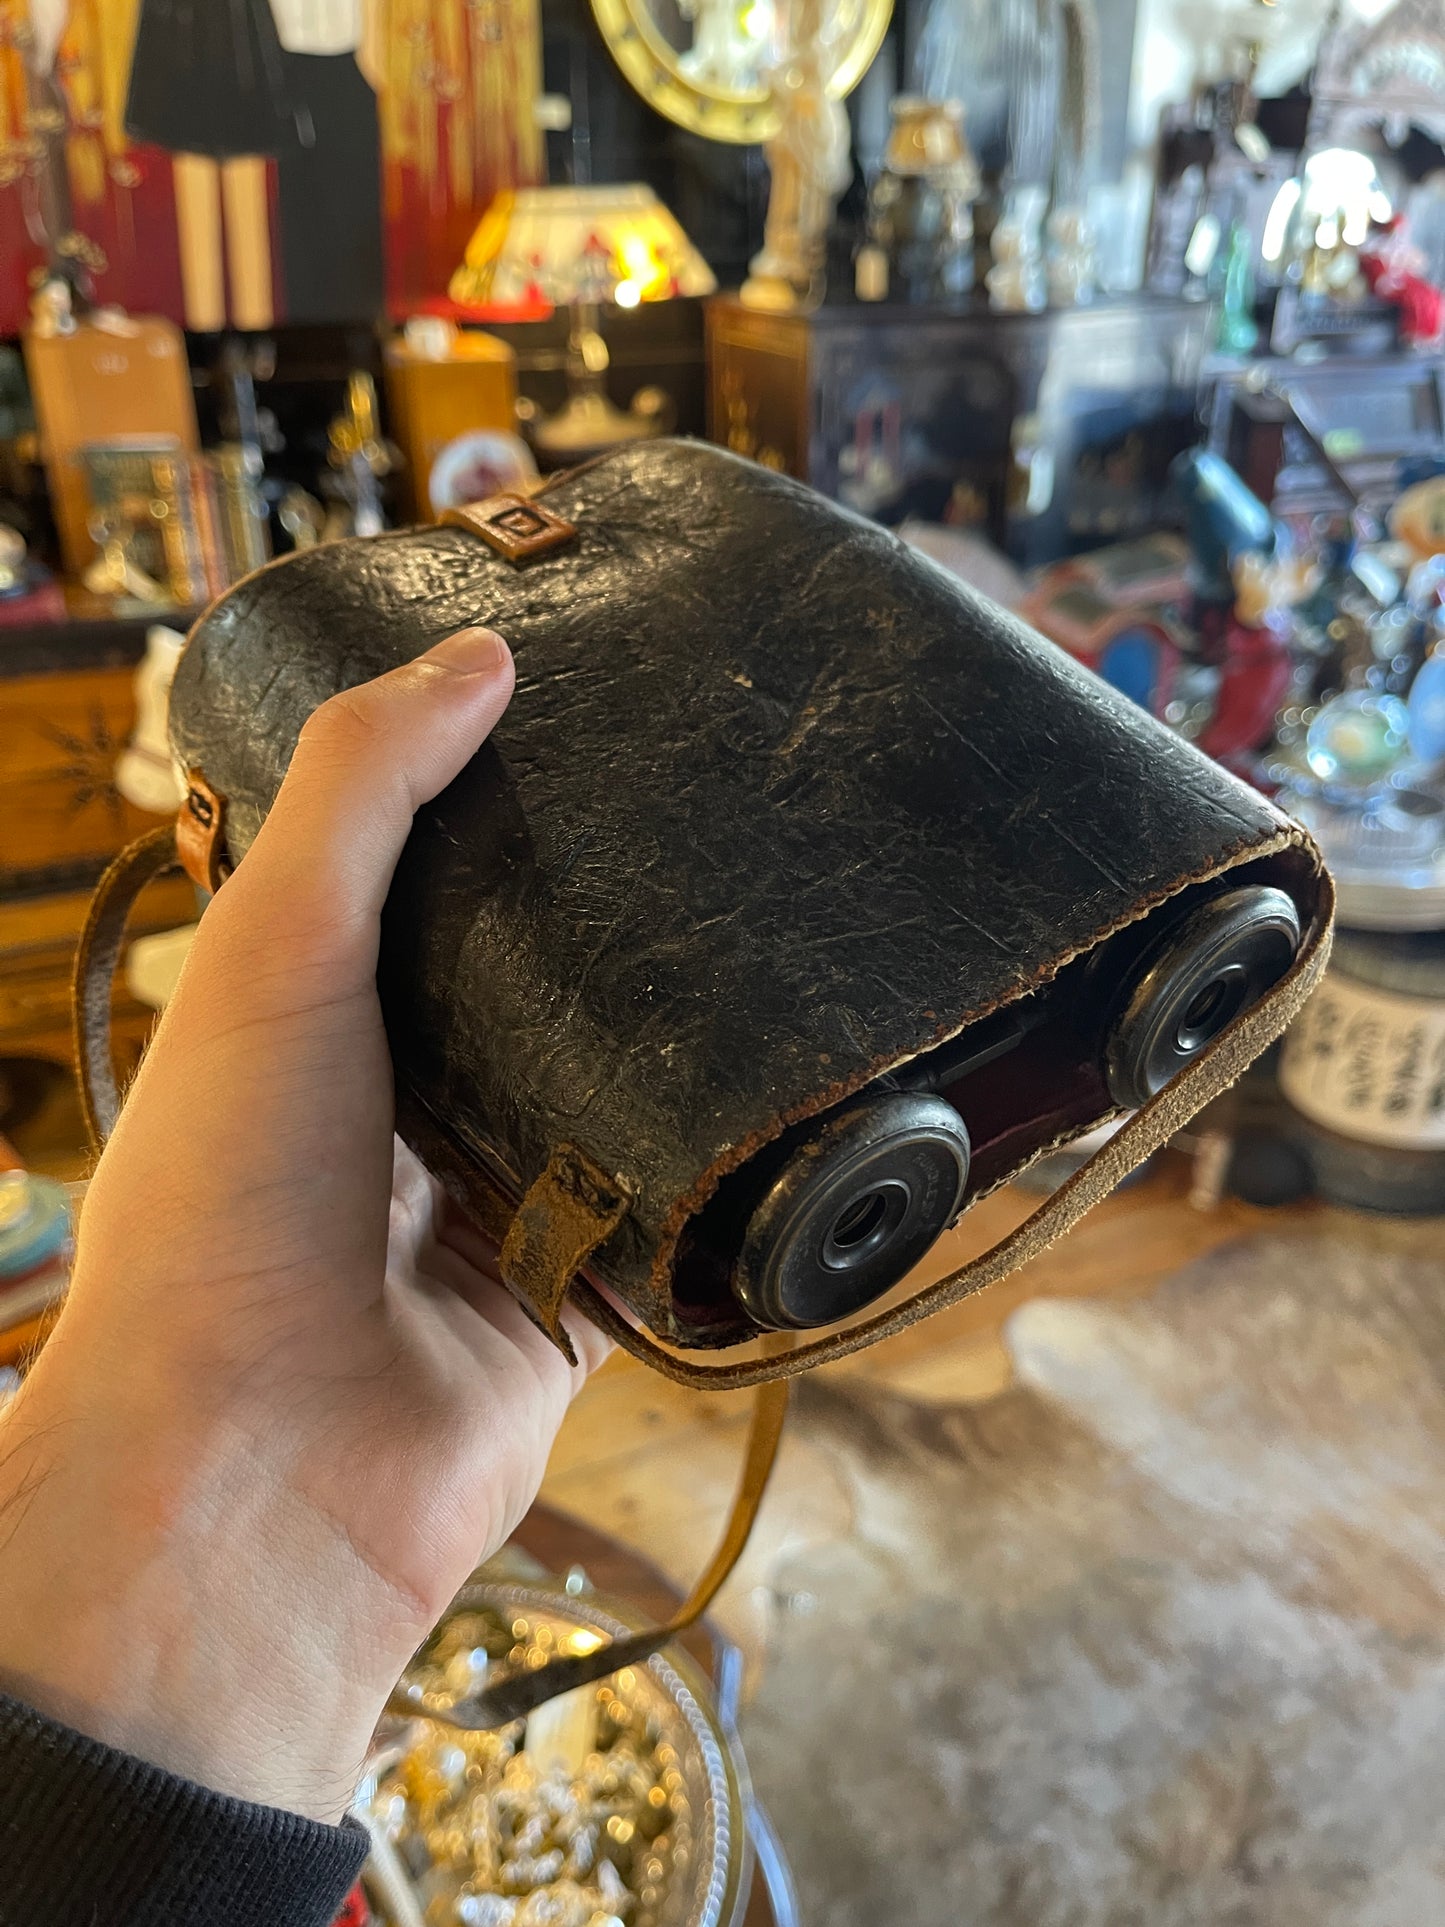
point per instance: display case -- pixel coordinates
(1053, 432)
(1282, 424)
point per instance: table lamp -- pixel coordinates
(581, 246)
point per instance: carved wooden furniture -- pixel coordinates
(1053, 432)
(66, 709)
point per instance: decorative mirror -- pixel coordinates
(704, 63)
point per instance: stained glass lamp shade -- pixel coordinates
(579, 247)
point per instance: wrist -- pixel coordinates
(168, 1600)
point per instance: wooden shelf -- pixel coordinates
(90, 636)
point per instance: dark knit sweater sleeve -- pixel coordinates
(90, 1837)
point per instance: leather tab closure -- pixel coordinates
(519, 530)
(200, 834)
(570, 1210)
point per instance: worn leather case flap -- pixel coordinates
(778, 804)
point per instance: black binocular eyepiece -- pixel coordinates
(854, 1208)
(853, 1200)
(1193, 980)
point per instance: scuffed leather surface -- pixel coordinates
(777, 804)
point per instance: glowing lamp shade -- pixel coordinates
(578, 247)
(563, 245)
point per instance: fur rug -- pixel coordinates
(1156, 1638)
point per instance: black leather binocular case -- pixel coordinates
(800, 898)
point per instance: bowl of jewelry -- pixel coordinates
(614, 1805)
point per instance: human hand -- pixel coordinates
(288, 1405)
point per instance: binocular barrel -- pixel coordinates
(845, 1206)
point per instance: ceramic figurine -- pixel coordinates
(1016, 280)
(1238, 334)
(1267, 588)
(360, 459)
(809, 161)
(145, 773)
(52, 308)
(1069, 257)
(1392, 268)
(1224, 520)
(1258, 667)
(727, 49)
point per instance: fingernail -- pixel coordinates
(470, 652)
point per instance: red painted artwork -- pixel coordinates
(65, 161)
(434, 112)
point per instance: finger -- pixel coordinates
(459, 1231)
(593, 1347)
(365, 762)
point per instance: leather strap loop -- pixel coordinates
(517, 527)
(570, 1210)
(201, 834)
(96, 956)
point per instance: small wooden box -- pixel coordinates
(432, 401)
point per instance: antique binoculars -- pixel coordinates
(840, 1209)
(800, 897)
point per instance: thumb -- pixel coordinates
(366, 760)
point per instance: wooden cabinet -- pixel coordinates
(1053, 432)
(66, 709)
(60, 811)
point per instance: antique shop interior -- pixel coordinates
(963, 482)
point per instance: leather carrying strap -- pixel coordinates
(96, 957)
(570, 1210)
(195, 843)
(513, 1695)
